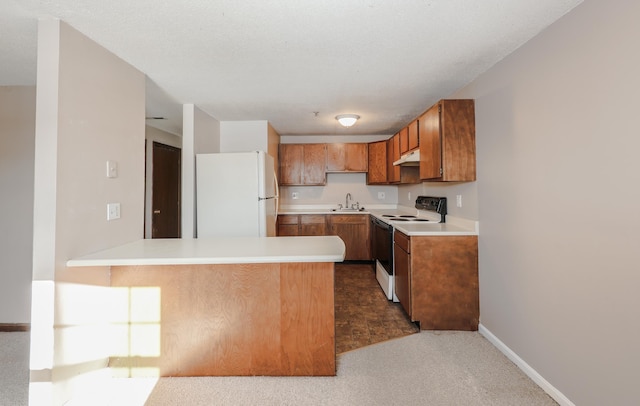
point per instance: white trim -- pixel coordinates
(526, 368)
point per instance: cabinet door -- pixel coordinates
(357, 154)
(404, 140)
(414, 141)
(377, 171)
(444, 282)
(430, 144)
(287, 225)
(447, 142)
(402, 269)
(458, 129)
(336, 157)
(393, 154)
(350, 157)
(291, 164)
(354, 231)
(312, 224)
(315, 159)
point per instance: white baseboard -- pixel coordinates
(526, 368)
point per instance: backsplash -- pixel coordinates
(336, 189)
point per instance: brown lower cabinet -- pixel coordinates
(353, 229)
(301, 224)
(437, 280)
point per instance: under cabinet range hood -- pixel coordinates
(409, 159)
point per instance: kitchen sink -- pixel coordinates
(348, 210)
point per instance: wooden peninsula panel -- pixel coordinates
(238, 319)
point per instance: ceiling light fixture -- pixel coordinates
(347, 120)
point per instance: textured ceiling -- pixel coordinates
(284, 60)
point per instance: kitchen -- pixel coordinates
(448, 126)
(249, 178)
(581, 268)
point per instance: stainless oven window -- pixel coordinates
(382, 244)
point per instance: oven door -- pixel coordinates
(382, 251)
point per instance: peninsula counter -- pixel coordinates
(225, 306)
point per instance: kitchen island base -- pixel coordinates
(229, 319)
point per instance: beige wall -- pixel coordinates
(243, 136)
(17, 135)
(90, 108)
(558, 194)
(201, 135)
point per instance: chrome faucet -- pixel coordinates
(346, 201)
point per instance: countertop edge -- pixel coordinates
(75, 263)
(249, 250)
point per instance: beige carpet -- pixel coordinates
(14, 368)
(427, 368)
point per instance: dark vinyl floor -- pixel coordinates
(363, 314)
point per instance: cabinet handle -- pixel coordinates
(156, 212)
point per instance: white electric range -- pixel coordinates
(429, 210)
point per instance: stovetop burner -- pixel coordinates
(403, 217)
(428, 210)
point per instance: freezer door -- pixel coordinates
(227, 195)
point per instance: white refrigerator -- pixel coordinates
(236, 195)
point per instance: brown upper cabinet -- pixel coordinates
(414, 140)
(393, 154)
(303, 164)
(409, 137)
(404, 140)
(399, 174)
(447, 142)
(349, 157)
(377, 173)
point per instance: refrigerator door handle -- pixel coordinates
(275, 180)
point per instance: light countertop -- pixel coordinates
(453, 225)
(237, 250)
(434, 229)
(320, 211)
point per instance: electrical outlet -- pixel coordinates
(459, 200)
(409, 196)
(381, 195)
(113, 211)
(294, 195)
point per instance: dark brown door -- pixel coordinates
(165, 198)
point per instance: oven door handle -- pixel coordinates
(380, 223)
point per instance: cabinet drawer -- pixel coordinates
(402, 241)
(287, 219)
(312, 219)
(349, 218)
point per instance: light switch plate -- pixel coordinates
(113, 211)
(112, 169)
